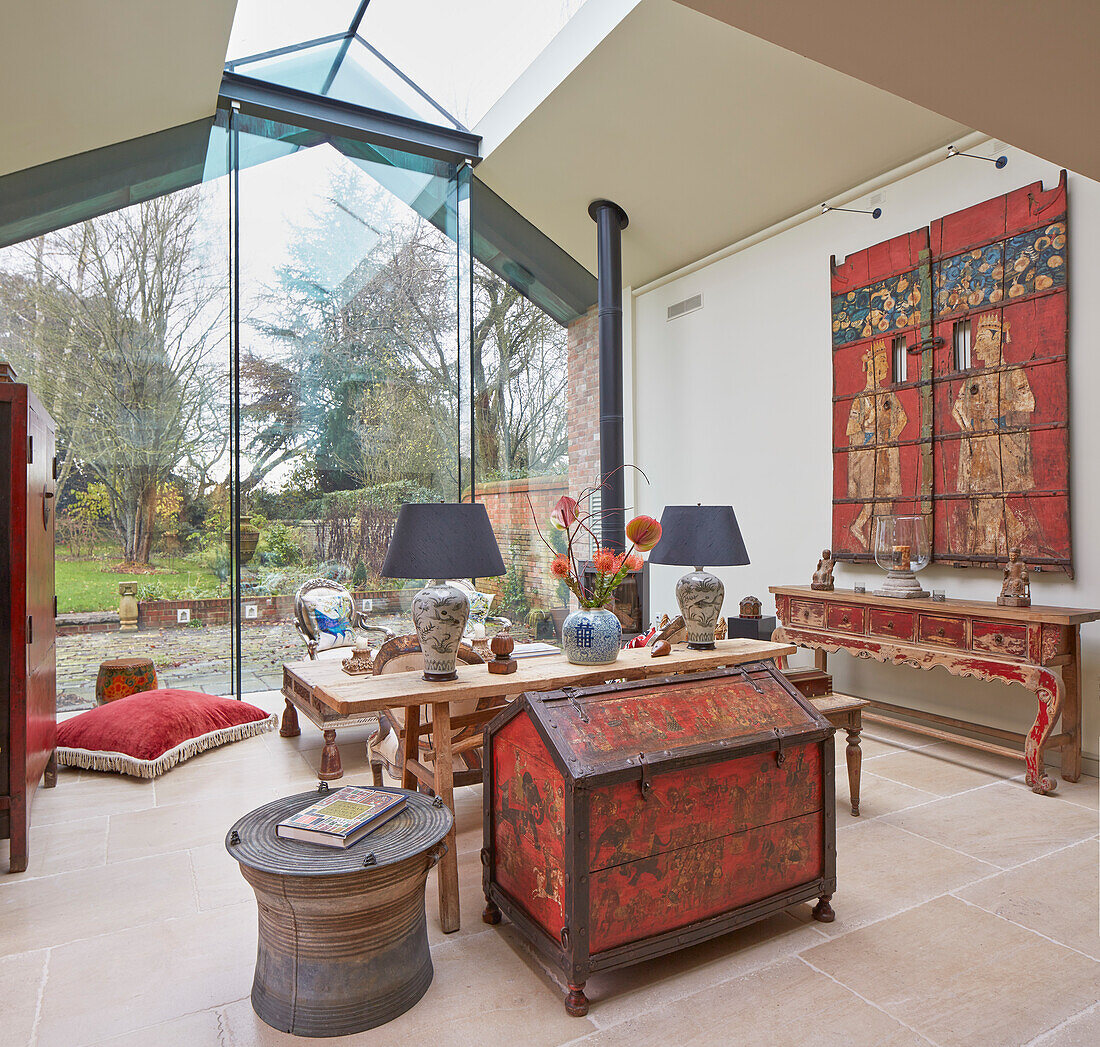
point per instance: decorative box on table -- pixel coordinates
(624, 821)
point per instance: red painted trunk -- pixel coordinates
(628, 820)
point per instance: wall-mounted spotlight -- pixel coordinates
(998, 162)
(876, 213)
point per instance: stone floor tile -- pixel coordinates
(895, 735)
(57, 909)
(1058, 896)
(961, 976)
(211, 781)
(180, 826)
(22, 977)
(201, 1029)
(58, 847)
(1082, 1030)
(482, 993)
(148, 976)
(882, 870)
(1085, 792)
(878, 796)
(941, 776)
(1001, 766)
(91, 794)
(218, 879)
(871, 747)
(620, 995)
(1005, 824)
(787, 1003)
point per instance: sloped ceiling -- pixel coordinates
(1022, 71)
(703, 133)
(75, 76)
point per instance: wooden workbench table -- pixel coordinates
(325, 685)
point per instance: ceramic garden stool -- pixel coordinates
(343, 944)
(121, 677)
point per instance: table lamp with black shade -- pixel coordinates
(440, 541)
(698, 536)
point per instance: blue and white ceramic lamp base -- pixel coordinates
(591, 636)
(700, 595)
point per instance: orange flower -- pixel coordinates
(560, 567)
(605, 561)
(634, 563)
(644, 532)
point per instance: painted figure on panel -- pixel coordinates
(875, 423)
(995, 454)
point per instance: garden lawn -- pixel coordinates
(82, 585)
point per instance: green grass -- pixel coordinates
(83, 585)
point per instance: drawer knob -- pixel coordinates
(998, 638)
(844, 620)
(889, 625)
(940, 631)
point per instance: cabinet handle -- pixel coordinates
(998, 638)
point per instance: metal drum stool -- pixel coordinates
(343, 944)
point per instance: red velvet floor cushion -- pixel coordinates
(148, 733)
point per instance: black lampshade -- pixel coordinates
(700, 536)
(443, 540)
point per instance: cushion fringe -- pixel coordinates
(123, 763)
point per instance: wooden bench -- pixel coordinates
(841, 710)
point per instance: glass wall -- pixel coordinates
(120, 325)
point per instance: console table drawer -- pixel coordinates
(899, 625)
(808, 612)
(846, 618)
(999, 638)
(950, 632)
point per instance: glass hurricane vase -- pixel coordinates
(901, 549)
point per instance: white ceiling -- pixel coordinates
(701, 132)
(1022, 71)
(76, 75)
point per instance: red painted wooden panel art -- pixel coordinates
(972, 429)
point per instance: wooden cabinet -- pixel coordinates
(28, 721)
(624, 821)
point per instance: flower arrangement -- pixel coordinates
(643, 532)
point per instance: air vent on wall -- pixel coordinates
(688, 305)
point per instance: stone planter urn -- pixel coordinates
(127, 607)
(250, 537)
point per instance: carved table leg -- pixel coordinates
(447, 870)
(823, 911)
(576, 1003)
(1049, 695)
(49, 778)
(330, 759)
(1071, 708)
(289, 728)
(854, 756)
(491, 913)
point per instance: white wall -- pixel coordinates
(733, 406)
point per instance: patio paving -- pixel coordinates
(196, 658)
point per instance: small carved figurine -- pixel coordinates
(502, 645)
(751, 608)
(823, 576)
(1016, 589)
(720, 629)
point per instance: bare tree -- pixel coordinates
(128, 319)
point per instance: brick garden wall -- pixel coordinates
(506, 503)
(583, 409)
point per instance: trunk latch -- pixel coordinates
(780, 755)
(646, 782)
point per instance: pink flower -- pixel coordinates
(644, 532)
(565, 513)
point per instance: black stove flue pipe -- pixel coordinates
(610, 221)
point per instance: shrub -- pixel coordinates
(283, 546)
(359, 575)
(151, 591)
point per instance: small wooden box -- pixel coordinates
(625, 821)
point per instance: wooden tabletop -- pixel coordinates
(353, 695)
(987, 609)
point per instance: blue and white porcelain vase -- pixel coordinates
(591, 636)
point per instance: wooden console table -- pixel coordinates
(326, 686)
(967, 638)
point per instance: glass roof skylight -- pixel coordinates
(420, 58)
